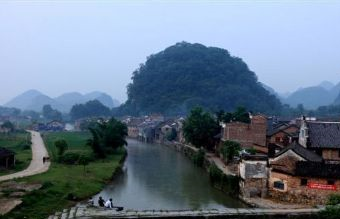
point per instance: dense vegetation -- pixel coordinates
(63, 184)
(240, 115)
(200, 128)
(51, 114)
(20, 143)
(185, 75)
(107, 137)
(92, 108)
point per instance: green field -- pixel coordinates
(15, 142)
(76, 142)
(64, 185)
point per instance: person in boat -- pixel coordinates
(101, 202)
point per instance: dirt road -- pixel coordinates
(36, 166)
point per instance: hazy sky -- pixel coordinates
(63, 46)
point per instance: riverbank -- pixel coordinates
(230, 173)
(65, 185)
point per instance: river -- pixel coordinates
(158, 177)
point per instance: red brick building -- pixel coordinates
(248, 135)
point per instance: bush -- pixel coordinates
(226, 183)
(198, 158)
(332, 210)
(333, 199)
(70, 158)
(251, 151)
(215, 173)
(230, 149)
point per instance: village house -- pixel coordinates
(323, 138)
(146, 131)
(132, 125)
(252, 135)
(299, 175)
(7, 158)
(163, 129)
(50, 126)
(283, 135)
(253, 172)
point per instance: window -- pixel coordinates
(304, 182)
(279, 185)
(277, 139)
(330, 182)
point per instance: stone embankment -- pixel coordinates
(82, 211)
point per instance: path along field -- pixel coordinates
(64, 185)
(36, 165)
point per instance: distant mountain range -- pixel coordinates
(35, 100)
(326, 93)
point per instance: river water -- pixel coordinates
(158, 177)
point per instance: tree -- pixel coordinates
(200, 128)
(8, 125)
(93, 108)
(230, 149)
(50, 113)
(107, 137)
(240, 115)
(84, 160)
(61, 146)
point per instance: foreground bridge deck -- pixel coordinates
(84, 212)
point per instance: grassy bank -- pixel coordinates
(64, 185)
(18, 142)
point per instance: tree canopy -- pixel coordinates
(200, 128)
(185, 75)
(240, 115)
(92, 108)
(50, 113)
(107, 136)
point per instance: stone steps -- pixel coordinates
(85, 212)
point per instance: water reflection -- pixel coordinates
(157, 177)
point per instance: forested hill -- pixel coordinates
(186, 75)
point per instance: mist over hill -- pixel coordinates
(35, 100)
(315, 96)
(185, 75)
(337, 100)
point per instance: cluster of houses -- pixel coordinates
(155, 128)
(296, 161)
(49, 126)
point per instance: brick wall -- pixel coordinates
(294, 192)
(331, 154)
(247, 134)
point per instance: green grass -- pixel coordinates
(14, 141)
(76, 141)
(63, 181)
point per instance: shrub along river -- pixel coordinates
(158, 177)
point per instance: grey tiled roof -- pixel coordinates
(317, 169)
(324, 135)
(301, 151)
